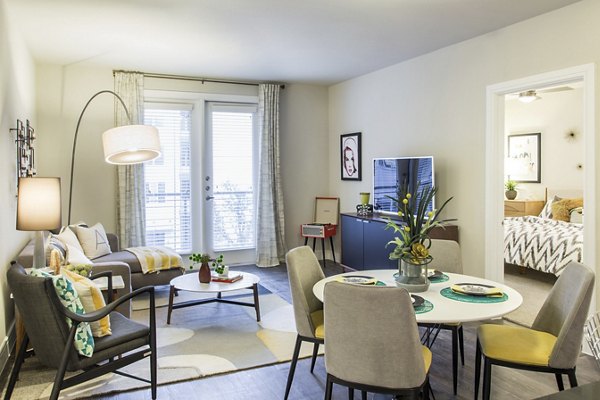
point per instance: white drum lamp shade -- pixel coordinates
(38, 209)
(131, 144)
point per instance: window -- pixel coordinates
(168, 194)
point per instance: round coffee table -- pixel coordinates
(190, 283)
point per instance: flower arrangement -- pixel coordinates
(412, 244)
(199, 258)
(218, 265)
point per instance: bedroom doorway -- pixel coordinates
(495, 156)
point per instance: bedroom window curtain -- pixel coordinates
(131, 211)
(270, 238)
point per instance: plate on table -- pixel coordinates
(434, 273)
(476, 289)
(358, 279)
(417, 301)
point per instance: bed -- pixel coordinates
(542, 242)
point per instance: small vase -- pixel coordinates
(413, 276)
(511, 194)
(204, 273)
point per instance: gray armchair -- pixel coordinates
(46, 328)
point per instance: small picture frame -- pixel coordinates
(524, 163)
(350, 157)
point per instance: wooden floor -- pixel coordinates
(268, 383)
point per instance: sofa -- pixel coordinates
(120, 262)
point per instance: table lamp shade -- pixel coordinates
(131, 144)
(38, 204)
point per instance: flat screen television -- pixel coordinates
(391, 174)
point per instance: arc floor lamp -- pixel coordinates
(123, 145)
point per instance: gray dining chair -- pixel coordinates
(304, 271)
(447, 258)
(553, 342)
(44, 317)
(373, 342)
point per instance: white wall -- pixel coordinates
(435, 104)
(16, 102)
(554, 115)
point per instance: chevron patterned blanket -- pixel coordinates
(544, 244)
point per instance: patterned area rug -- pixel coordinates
(202, 340)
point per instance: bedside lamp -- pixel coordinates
(38, 209)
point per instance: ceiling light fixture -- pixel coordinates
(528, 96)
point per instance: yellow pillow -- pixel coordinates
(91, 298)
(561, 209)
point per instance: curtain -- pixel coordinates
(270, 237)
(131, 201)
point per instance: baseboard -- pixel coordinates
(8, 344)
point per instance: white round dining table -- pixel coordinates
(445, 310)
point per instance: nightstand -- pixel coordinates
(520, 208)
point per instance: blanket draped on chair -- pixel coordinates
(157, 258)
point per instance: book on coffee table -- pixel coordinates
(232, 277)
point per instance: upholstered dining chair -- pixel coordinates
(447, 258)
(304, 271)
(553, 342)
(44, 317)
(373, 341)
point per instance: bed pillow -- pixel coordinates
(93, 240)
(91, 298)
(577, 215)
(561, 209)
(547, 210)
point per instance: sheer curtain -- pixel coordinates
(270, 242)
(131, 201)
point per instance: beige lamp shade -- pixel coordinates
(38, 204)
(131, 144)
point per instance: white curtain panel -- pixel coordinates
(131, 202)
(270, 239)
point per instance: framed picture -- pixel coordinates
(350, 157)
(524, 163)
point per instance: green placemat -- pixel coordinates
(379, 283)
(449, 293)
(423, 308)
(439, 279)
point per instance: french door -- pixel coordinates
(229, 180)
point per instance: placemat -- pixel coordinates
(439, 279)
(423, 308)
(449, 293)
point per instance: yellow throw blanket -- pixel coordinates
(155, 259)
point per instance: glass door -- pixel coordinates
(229, 181)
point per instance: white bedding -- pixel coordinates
(544, 244)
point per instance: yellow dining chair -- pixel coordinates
(373, 341)
(553, 342)
(304, 271)
(447, 258)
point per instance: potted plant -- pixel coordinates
(511, 192)
(202, 259)
(412, 245)
(219, 267)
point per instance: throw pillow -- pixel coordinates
(68, 237)
(53, 243)
(93, 240)
(91, 298)
(547, 210)
(561, 209)
(75, 256)
(84, 341)
(577, 215)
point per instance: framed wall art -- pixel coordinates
(351, 168)
(524, 161)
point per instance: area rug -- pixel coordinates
(201, 340)
(534, 286)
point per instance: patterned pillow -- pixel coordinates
(93, 240)
(547, 210)
(54, 243)
(84, 341)
(91, 299)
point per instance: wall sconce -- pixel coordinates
(25, 135)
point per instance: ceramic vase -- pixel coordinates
(510, 194)
(413, 276)
(204, 273)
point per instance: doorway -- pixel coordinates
(495, 142)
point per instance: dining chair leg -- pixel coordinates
(477, 369)
(288, 386)
(572, 378)
(328, 387)
(559, 382)
(454, 359)
(461, 342)
(487, 378)
(314, 357)
(350, 393)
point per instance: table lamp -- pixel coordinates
(38, 209)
